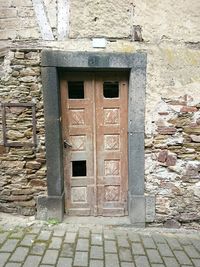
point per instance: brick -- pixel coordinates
(110, 246)
(122, 242)
(134, 237)
(137, 249)
(13, 264)
(81, 259)
(17, 235)
(108, 234)
(165, 250)
(70, 237)
(127, 264)
(64, 262)
(96, 239)
(154, 256)
(170, 262)
(82, 245)
(141, 261)
(55, 243)
(20, 254)
(3, 258)
(9, 245)
(125, 254)
(38, 249)
(32, 261)
(67, 250)
(96, 263)
(182, 257)
(173, 243)
(196, 262)
(148, 242)
(96, 252)
(59, 232)
(50, 257)
(44, 235)
(111, 260)
(28, 240)
(159, 239)
(191, 251)
(3, 237)
(84, 232)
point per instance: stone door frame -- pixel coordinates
(52, 205)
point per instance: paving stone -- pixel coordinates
(82, 245)
(18, 234)
(96, 252)
(108, 234)
(44, 235)
(96, 263)
(32, 261)
(110, 246)
(141, 261)
(64, 262)
(173, 243)
(50, 257)
(59, 232)
(196, 244)
(159, 239)
(182, 257)
(55, 243)
(9, 245)
(154, 256)
(158, 265)
(97, 239)
(171, 262)
(125, 254)
(121, 233)
(127, 264)
(111, 260)
(184, 240)
(67, 250)
(191, 251)
(70, 237)
(148, 242)
(196, 262)
(34, 230)
(38, 249)
(3, 258)
(81, 258)
(122, 242)
(20, 254)
(97, 230)
(3, 237)
(165, 250)
(84, 232)
(134, 237)
(137, 249)
(28, 240)
(13, 264)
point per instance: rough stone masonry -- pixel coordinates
(168, 31)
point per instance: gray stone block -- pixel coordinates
(137, 210)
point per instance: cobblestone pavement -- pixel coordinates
(97, 246)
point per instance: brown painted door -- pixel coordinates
(94, 123)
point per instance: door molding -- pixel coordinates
(52, 205)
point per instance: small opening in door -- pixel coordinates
(76, 89)
(79, 168)
(111, 89)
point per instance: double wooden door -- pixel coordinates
(94, 126)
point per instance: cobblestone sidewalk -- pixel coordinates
(97, 246)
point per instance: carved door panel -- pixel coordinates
(94, 124)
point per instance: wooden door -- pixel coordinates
(94, 125)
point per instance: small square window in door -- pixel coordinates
(76, 89)
(79, 168)
(111, 89)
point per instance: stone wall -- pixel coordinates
(23, 168)
(168, 31)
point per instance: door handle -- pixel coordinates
(67, 144)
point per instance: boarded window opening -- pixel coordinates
(111, 89)
(79, 168)
(76, 89)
